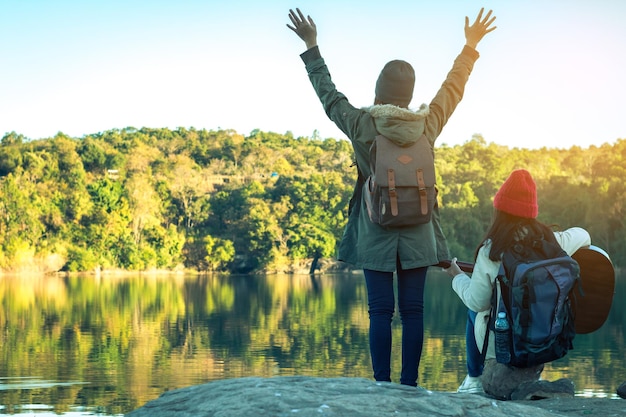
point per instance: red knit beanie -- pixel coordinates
(518, 195)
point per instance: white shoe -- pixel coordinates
(471, 385)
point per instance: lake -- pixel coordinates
(79, 346)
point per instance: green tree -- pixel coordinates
(93, 156)
(219, 253)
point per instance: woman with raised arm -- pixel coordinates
(379, 250)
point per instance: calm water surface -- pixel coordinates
(78, 346)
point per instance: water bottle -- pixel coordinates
(503, 338)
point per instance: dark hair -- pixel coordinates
(506, 230)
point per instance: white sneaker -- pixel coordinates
(471, 385)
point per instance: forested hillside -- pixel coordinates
(140, 199)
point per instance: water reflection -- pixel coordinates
(108, 345)
(31, 383)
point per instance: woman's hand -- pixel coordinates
(453, 270)
(303, 27)
(481, 27)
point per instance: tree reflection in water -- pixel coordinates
(112, 343)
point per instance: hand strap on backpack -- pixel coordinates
(422, 190)
(393, 195)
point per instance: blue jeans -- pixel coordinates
(475, 360)
(381, 302)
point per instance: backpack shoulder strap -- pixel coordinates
(500, 286)
(497, 305)
(372, 154)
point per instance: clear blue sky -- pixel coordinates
(552, 74)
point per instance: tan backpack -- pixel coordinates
(401, 190)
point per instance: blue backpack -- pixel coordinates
(536, 280)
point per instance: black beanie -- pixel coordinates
(395, 83)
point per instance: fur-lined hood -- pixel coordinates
(402, 126)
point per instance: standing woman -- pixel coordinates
(514, 220)
(382, 250)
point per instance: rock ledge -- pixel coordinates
(307, 397)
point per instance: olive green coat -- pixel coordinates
(365, 244)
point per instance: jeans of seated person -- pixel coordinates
(475, 360)
(381, 303)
